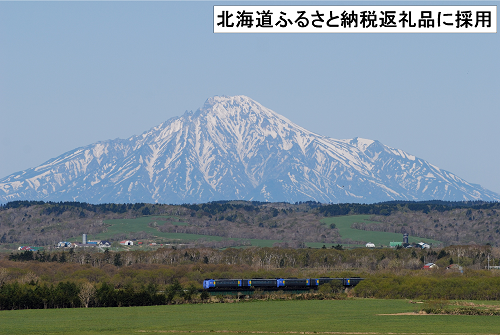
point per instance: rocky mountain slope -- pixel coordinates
(235, 148)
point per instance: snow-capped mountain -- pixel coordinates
(235, 148)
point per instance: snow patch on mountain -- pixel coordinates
(235, 148)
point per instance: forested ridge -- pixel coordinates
(46, 223)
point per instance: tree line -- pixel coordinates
(213, 208)
(33, 295)
(471, 257)
(62, 206)
(476, 285)
(387, 208)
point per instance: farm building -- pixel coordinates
(370, 245)
(127, 242)
(429, 266)
(25, 248)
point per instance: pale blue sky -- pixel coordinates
(73, 73)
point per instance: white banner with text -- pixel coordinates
(355, 19)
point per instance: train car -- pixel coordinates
(258, 282)
(320, 281)
(294, 283)
(352, 281)
(224, 283)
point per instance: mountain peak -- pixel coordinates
(224, 101)
(361, 143)
(235, 105)
(235, 148)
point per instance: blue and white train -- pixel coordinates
(275, 284)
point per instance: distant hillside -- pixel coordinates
(292, 225)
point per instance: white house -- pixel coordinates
(423, 245)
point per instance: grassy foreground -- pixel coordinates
(340, 317)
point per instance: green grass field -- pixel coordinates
(343, 224)
(124, 226)
(266, 317)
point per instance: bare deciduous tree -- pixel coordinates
(4, 274)
(87, 293)
(30, 277)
